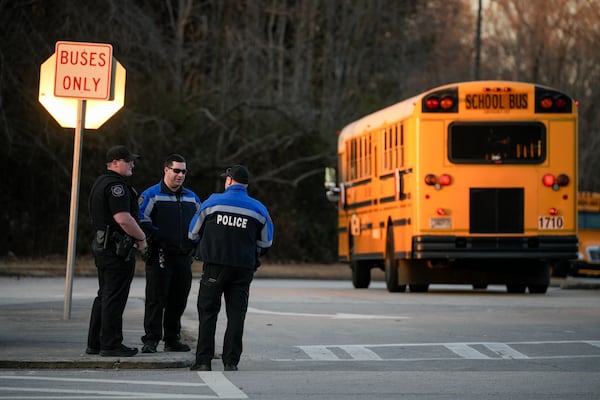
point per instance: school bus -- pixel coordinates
(588, 260)
(467, 183)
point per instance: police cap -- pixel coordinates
(120, 153)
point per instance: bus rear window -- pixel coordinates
(497, 143)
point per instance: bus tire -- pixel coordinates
(361, 270)
(391, 264)
(361, 274)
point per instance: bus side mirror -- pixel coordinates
(333, 192)
(330, 178)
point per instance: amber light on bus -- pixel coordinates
(555, 183)
(445, 103)
(497, 89)
(441, 101)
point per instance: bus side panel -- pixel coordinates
(562, 151)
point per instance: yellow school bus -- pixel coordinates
(471, 182)
(588, 260)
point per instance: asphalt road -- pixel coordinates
(321, 339)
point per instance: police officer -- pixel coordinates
(114, 212)
(233, 230)
(166, 210)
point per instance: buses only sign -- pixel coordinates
(83, 70)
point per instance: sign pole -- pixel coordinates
(81, 104)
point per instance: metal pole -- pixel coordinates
(478, 44)
(79, 128)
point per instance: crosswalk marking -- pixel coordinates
(215, 381)
(222, 386)
(464, 350)
(505, 351)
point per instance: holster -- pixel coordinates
(123, 245)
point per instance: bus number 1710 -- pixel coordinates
(556, 222)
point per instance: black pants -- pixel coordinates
(234, 284)
(114, 281)
(167, 291)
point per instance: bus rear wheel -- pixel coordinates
(361, 270)
(391, 264)
(361, 274)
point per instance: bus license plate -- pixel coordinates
(556, 222)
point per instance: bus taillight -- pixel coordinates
(445, 179)
(553, 211)
(555, 183)
(548, 180)
(438, 182)
(432, 103)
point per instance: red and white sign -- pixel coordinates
(83, 70)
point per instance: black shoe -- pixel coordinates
(149, 347)
(176, 346)
(121, 351)
(201, 367)
(230, 367)
(92, 350)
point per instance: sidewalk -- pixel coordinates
(34, 333)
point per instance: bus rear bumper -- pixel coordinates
(460, 247)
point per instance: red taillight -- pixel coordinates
(561, 102)
(441, 212)
(548, 180)
(432, 103)
(445, 179)
(553, 211)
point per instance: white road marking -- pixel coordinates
(214, 381)
(331, 316)
(466, 351)
(222, 386)
(505, 351)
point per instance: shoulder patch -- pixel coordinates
(117, 190)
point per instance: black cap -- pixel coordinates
(238, 173)
(120, 153)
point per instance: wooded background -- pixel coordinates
(266, 83)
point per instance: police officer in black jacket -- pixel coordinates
(166, 209)
(233, 230)
(114, 211)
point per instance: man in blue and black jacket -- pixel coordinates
(166, 210)
(233, 231)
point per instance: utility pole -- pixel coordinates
(478, 44)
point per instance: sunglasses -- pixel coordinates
(178, 171)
